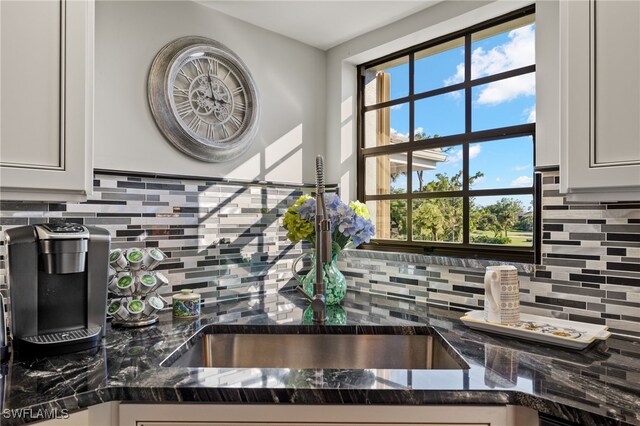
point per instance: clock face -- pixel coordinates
(208, 96)
(203, 99)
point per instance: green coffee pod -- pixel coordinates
(135, 306)
(124, 284)
(114, 307)
(134, 255)
(125, 281)
(117, 260)
(152, 258)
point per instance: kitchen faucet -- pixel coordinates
(323, 248)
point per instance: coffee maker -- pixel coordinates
(57, 274)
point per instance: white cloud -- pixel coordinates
(455, 155)
(520, 168)
(394, 132)
(531, 118)
(474, 151)
(522, 181)
(515, 53)
(498, 179)
(396, 107)
(458, 77)
(507, 90)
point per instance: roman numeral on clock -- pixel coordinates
(239, 106)
(198, 66)
(178, 91)
(236, 121)
(237, 90)
(184, 108)
(225, 131)
(182, 73)
(210, 132)
(213, 66)
(194, 123)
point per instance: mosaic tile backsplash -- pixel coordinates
(225, 241)
(590, 268)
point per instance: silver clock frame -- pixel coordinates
(159, 93)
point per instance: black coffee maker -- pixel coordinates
(57, 276)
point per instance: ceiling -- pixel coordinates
(323, 24)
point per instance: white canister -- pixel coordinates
(502, 294)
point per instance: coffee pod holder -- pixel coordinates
(134, 285)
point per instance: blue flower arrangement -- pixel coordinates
(351, 223)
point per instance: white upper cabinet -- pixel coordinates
(46, 92)
(600, 99)
(547, 84)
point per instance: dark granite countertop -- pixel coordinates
(598, 386)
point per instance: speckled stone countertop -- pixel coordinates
(598, 386)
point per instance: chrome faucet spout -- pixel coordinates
(323, 246)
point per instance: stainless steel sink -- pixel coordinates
(316, 347)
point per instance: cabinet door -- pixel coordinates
(600, 108)
(46, 95)
(317, 415)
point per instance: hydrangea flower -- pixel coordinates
(360, 209)
(298, 228)
(350, 223)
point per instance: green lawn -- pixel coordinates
(518, 238)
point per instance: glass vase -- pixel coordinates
(335, 283)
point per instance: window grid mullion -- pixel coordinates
(466, 212)
(453, 88)
(412, 126)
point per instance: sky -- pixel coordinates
(506, 163)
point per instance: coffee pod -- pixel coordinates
(152, 305)
(117, 260)
(111, 273)
(125, 284)
(161, 280)
(113, 285)
(118, 311)
(186, 304)
(134, 257)
(135, 308)
(146, 283)
(152, 258)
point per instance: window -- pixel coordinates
(446, 133)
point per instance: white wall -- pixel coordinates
(290, 77)
(441, 19)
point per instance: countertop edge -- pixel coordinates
(309, 396)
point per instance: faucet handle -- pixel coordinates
(318, 306)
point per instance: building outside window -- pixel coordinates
(446, 137)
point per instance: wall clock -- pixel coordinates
(203, 99)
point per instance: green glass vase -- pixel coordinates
(335, 283)
(336, 315)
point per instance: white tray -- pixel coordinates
(575, 335)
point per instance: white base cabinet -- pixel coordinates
(315, 415)
(600, 100)
(192, 414)
(46, 99)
